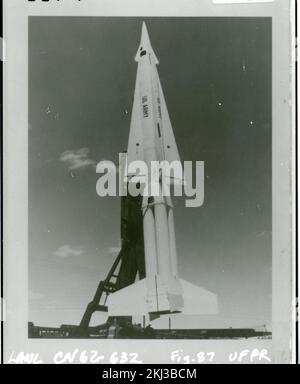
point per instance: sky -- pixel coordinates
(216, 77)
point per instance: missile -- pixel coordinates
(151, 139)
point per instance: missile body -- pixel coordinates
(151, 139)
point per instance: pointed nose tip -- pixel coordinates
(144, 27)
(145, 36)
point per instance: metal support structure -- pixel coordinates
(129, 263)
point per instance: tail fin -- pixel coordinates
(197, 300)
(134, 300)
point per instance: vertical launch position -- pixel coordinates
(151, 139)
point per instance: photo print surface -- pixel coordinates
(216, 78)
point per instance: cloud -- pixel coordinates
(66, 251)
(77, 159)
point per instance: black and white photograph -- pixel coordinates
(149, 182)
(111, 266)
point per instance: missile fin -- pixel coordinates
(129, 301)
(197, 300)
(135, 300)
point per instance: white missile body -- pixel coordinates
(151, 139)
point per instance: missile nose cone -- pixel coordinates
(145, 45)
(145, 40)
